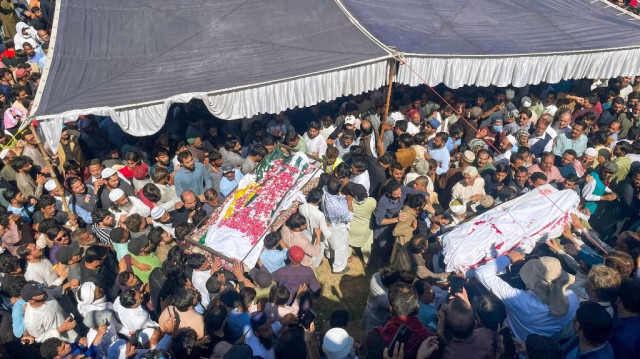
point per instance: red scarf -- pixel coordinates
(9, 53)
(138, 172)
(145, 200)
(418, 333)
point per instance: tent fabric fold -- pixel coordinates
(131, 60)
(518, 71)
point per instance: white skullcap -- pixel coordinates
(526, 101)
(512, 140)
(116, 194)
(108, 172)
(590, 152)
(4, 152)
(157, 213)
(337, 343)
(50, 185)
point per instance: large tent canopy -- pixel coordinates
(504, 42)
(131, 60)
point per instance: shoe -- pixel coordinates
(345, 270)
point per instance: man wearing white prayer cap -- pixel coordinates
(162, 218)
(157, 213)
(337, 344)
(113, 180)
(526, 102)
(504, 146)
(50, 186)
(584, 163)
(55, 191)
(126, 205)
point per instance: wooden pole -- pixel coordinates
(392, 73)
(53, 175)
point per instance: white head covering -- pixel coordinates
(350, 120)
(157, 213)
(87, 302)
(589, 152)
(30, 37)
(50, 185)
(116, 194)
(337, 343)
(108, 172)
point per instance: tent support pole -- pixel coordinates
(53, 175)
(392, 73)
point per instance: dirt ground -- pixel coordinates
(348, 291)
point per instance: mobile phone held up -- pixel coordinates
(402, 337)
(456, 283)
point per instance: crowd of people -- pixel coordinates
(95, 261)
(99, 266)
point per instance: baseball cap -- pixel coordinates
(31, 290)
(350, 120)
(65, 253)
(610, 166)
(227, 167)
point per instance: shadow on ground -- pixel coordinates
(348, 291)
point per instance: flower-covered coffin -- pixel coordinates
(237, 227)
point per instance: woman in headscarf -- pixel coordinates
(25, 33)
(91, 297)
(545, 307)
